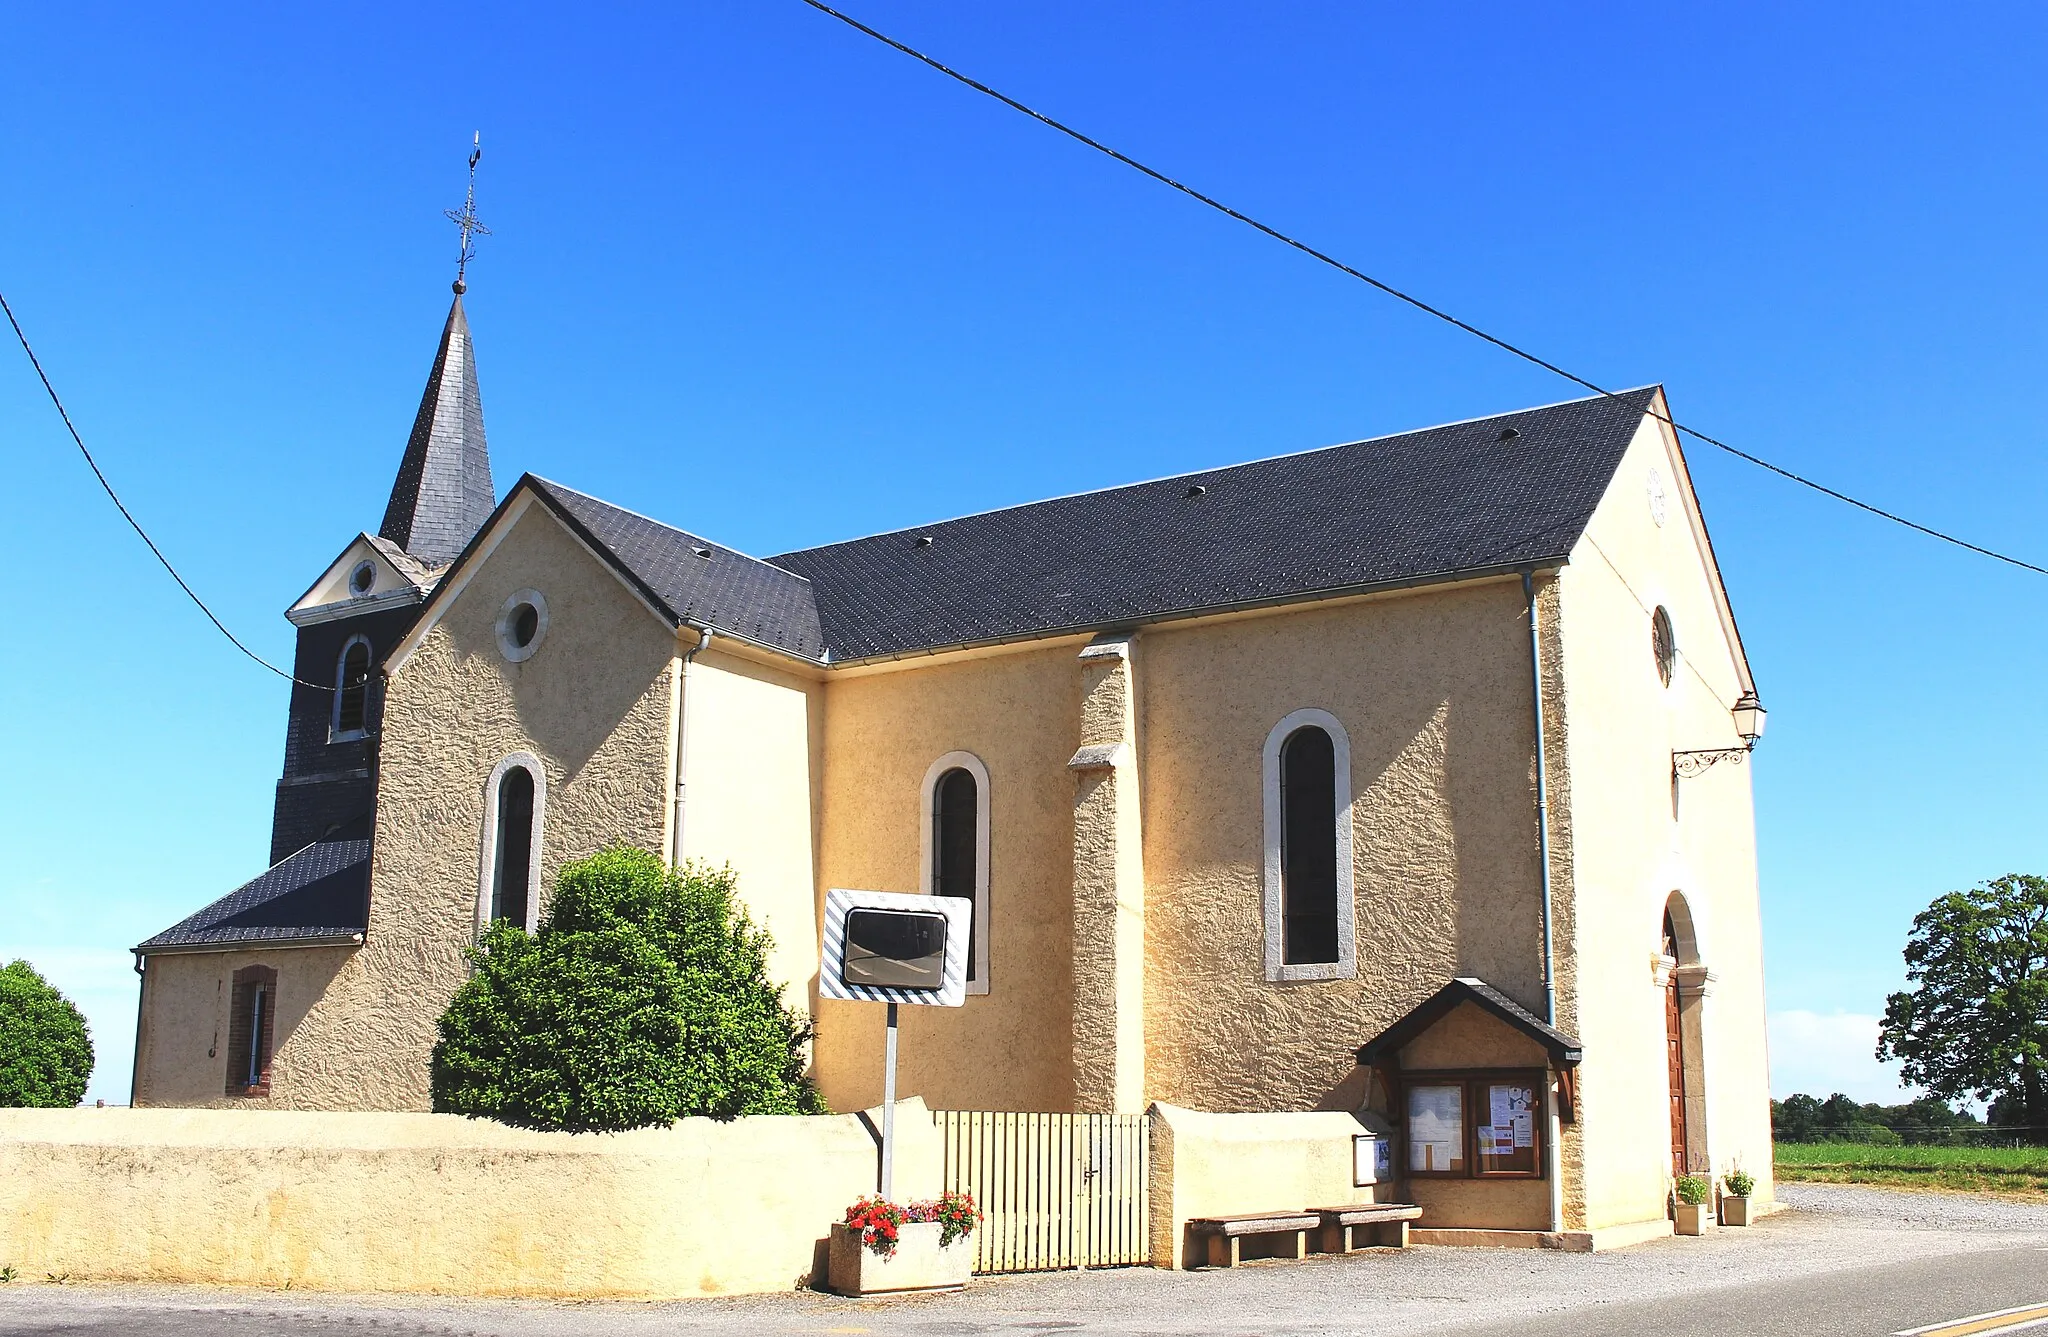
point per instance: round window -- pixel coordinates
(362, 578)
(1663, 645)
(522, 624)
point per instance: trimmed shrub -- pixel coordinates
(45, 1046)
(643, 997)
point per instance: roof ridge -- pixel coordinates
(663, 524)
(1214, 469)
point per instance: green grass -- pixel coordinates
(2022, 1171)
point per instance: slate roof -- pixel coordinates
(1451, 500)
(443, 493)
(692, 579)
(320, 893)
(1564, 1050)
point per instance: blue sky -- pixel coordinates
(756, 275)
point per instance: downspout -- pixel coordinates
(675, 853)
(1552, 1153)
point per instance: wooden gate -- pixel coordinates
(1058, 1190)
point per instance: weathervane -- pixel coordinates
(466, 219)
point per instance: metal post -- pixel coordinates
(889, 1112)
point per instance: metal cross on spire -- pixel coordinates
(466, 219)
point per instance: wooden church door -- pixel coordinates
(1674, 1044)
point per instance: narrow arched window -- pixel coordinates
(252, 1028)
(1310, 917)
(352, 690)
(955, 801)
(1308, 848)
(956, 843)
(511, 885)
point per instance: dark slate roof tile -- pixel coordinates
(1422, 505)
(323, 891)
(695, 580)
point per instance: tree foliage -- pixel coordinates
(45, 1046)
(643, 997)
(1975, 1021)
(1927, 1121)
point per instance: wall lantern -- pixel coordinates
(1748, 713)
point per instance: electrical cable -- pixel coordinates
(133, 524)
(1397, 293)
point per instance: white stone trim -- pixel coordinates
(335, 733)
(487, 860)
(514, 652)
(977, 983)
(1346, 965)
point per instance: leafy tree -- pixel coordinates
(643, 997)
(1975, 1021)
(45, 1047)
(1927, 1120)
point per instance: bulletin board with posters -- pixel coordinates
(1475, 1124)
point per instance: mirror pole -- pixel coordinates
(889, 1112)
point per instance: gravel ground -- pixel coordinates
(1828, 1230)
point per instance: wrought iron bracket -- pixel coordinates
(1696, 762)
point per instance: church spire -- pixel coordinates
(443, 493)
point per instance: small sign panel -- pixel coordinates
(892, 947)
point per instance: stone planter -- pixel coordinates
(1734, 1210)
(1693, 1218)
(919, 1263)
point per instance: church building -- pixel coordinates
(1384, 777)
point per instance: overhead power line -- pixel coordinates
(1396, 293)
(133, 523)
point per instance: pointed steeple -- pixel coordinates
(444, 492)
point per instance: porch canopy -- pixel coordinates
(1383, 1052)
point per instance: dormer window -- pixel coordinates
(352, 690)
(362, 579)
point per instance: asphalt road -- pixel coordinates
(1850, 1261)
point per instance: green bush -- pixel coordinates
(1693, 1189)
(45, 1047)
(643, 997)
(1740, 1182)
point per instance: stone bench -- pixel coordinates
(1279, 1234)
(1383, 1223)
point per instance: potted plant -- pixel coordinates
(1735, 1202)
(881, 1247)
(1693, 1212)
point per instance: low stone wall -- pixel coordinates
(1230, 1164)
(438, 1203)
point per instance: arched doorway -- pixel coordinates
(1674, 1047)
(1686, 984)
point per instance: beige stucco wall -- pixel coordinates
(1432, 689)
(1630, 854)
(1228, 1164)
(752, 775)
(437, 1203)
(593, 704)
(182, 1041)
(1011, 1048)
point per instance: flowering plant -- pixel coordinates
(878, 1220)
(955, 1212)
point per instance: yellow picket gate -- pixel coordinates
(1058, 1190)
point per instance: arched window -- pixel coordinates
(1310, 915)
(252, 1024)
(352, 690)
(1663, 645)
(514, 813)
(956, 846)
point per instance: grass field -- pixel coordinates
(2022, 1172)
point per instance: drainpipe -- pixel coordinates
(1551, 1152)
(675, 854)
